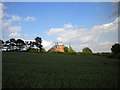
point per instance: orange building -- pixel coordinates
(57, 47)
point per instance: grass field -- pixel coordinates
(36, 70)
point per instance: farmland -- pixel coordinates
(44, 70)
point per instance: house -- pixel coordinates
(57, 47)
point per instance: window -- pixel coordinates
(55, 46)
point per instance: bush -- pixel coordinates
(116, 48)
(16, 50)
(54, 52)
(72, 53)
(62, 52)
(94, 53)
(105, 54)
(84, 53)
(43, 50)
(117, 56)
(114, 56)
(51, 52)
(33, 50)
(98, 54)
(66, 49)
(87, 51)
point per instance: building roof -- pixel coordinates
(57, 47)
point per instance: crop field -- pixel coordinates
(44, 70)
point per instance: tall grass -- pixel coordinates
(45, 70)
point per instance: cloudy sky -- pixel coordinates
(79, 24)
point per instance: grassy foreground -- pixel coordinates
(36, 70)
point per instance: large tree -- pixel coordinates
(116, 48)
(12, 43)
(43, 50)
(66, 49)
(7, 44)
(32, 43)
(70, 49)
(1, 44)
(20, 44)
(87, 50)
(38, 41)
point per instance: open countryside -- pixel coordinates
(60, 45)
(41, 70)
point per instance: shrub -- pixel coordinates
(52, 51)
(105, 54)
(117, 56)
(72, 53)
(70, 50)
(43, 50)
(33, 50)
(87, 51)
(115, 51)
(16, 50)
(84, 53)
(66, 49)
(116, 48)
(114, 56)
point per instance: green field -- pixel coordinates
(40, 70)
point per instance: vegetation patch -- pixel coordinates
(46, 70)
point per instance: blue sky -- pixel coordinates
(51, 20)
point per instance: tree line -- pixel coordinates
(19, 44)
(115, 51)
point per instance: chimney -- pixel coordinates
(56, 43)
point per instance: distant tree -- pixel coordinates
(7, 44)
(33, 50)
(43, 50)
(19, 43)
(12, 40)
(70, 49)
(12, 43)
(1, 43)
(116, 48)
(66, 49)
(26, 44)
(87, 50)
(32, 43)
(38, 42)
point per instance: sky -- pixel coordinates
(79, 24)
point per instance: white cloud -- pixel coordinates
(55, 31)
(11, 17)
(102, 46)
(106, 28)
(47, 44)
(14, 35)
(73, 36)
(15, 18)
(1, 10)
(26, 35)
(8, 25)
(30, 18)
(68, 25)
(95, 47)
(2, 6)
(85, 37)
(8, 22)
(14, 28)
